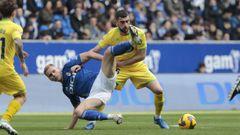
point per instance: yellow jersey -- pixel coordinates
(114, 37)
(8, 32)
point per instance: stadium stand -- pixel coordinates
(161, 19)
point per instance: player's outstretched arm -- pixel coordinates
(96, 49)
(86, 56)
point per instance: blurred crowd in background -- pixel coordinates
(160, 19)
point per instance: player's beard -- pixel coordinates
(124, 30)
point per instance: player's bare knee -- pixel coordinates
(21, 97)
(79, 112)
(158, 92)
(108, 52)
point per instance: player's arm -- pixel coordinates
(75, 101)
(73, 121)
(96, 49)
(86, 56)
(21, 55)
(139, 56)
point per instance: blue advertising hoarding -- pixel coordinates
(181, 92)
(161, 57)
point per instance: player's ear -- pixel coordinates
(14, 13)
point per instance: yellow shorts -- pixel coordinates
(12, 84)
(140, 77)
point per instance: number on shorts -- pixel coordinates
(2, 52)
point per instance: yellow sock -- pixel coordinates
(13, 107)
(158, 102)
(101, 108)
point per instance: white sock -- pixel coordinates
(157, 117)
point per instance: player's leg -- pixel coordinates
(91, 124)
(144, 78)
(88, 110)
(156, 88)
(108, 66)
(12, 85)
(103, 86)
(235, 89)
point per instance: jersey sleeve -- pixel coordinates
(73, 61)
(106, 40)
(17, 33)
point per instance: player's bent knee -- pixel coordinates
(21, 97)
(78, 112)
(158, 92)
(108, 52)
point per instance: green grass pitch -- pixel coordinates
(208, 123)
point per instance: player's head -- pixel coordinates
(122, 20)
(8, 8)
(53, 73)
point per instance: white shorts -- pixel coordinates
(102, 87)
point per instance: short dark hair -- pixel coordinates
(7, 7)
(121, 13)
(46, 68)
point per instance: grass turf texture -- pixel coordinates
(208, 123)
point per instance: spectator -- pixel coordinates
(86, 34)
(185, 29)
(212, 11)
(66, 23)
(148, 36)
(226, 27)
(19, 18)
(110, 16)
(236, 35)
(226, 36)
(159, 18)
(208, 19)
(58, 8)
(32, 20)
(108, 26)
(165, 27)
(140, 13)
(44, 33)
(31, 6)
(174, 7)
(93, 28)
(212, 31)
(46, 14)
(235, 20)
(78, 20)
(57, 30)
(152, 31)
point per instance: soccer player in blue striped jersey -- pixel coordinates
(97, 88)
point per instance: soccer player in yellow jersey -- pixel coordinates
(11, 45)
(131, 65)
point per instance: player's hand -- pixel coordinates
(24, 68)
(25, 54)
(67, 128)
(75, 68)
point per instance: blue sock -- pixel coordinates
(94, 115)
(121, 48)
